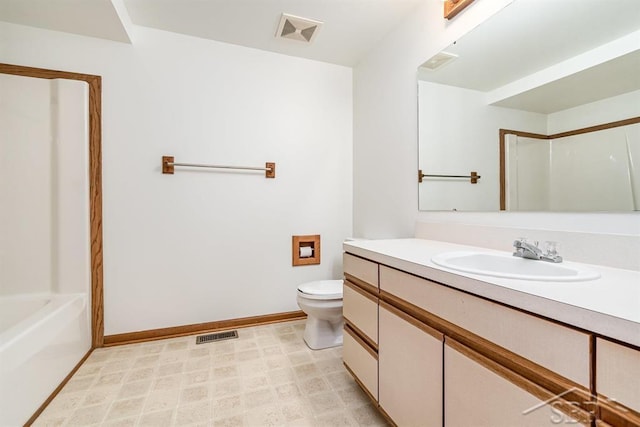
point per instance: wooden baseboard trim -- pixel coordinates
(180, 331)
(57, 390)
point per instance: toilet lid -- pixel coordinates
(322, 289)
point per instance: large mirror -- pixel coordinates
(535, 109)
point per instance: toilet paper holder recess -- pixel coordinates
(305, 250)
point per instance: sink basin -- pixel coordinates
(503, 265)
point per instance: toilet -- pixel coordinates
(322, 303)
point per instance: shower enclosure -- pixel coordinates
(592, 171)
(45, 261)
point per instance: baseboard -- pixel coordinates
(180, 331)
(56, 391)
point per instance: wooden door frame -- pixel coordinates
(95, 183)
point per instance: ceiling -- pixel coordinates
(93, 18)
(350, 27)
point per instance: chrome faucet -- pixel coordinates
(528, 250)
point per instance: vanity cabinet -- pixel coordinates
(360, 312)
(431, 354)
(410, 369)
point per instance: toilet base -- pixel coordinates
(319, 334)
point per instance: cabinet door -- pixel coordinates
(478, 392)
(617, 382)
(410, 369)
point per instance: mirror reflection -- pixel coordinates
(542, 102)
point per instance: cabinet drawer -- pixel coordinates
(618, 373)
(553, 346)
(360, 309)
(479, 392)
(359, 268)
(362, 361)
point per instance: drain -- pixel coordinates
(219, 336)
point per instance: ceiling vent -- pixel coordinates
(296, 28)
(439, 60)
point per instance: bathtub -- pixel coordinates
(42, 338)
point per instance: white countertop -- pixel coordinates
(609, 306)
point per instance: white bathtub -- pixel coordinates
(42, 338)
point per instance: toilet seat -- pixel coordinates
(321, 290)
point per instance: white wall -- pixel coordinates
(385, 117)
(202, 246)
(470, 126)
(385, 136)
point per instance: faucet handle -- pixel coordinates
(551, 248)
(519, 241)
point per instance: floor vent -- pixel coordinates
(219, 336)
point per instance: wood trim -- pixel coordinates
(412, 321)
(180, 331)
(57, 390)
(504, 132)
(365, 286)
(596, 128)
(95, 183)
(270, 171)
(614, 413)
(360, 341)
(313, 241)
(592, 365)
(166, 167)
(361, 334)
(355, 377)
(530, 387)
(503, 161)
(542, 376)
(364, 292)
(454, 7)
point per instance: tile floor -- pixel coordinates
(266, 377)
